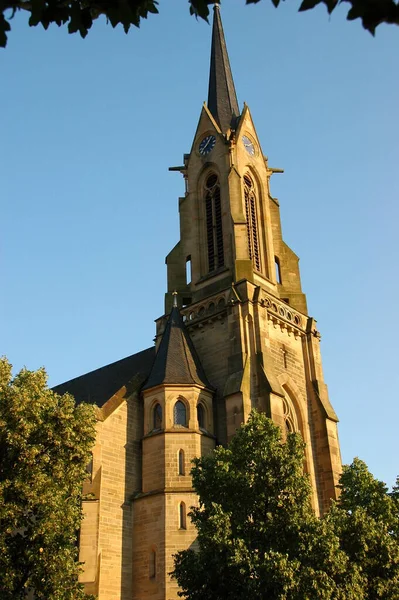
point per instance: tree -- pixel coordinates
(45, 443)
(80, 14)
(366, 519)
(259, 538)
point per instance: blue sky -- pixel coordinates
(89, 209)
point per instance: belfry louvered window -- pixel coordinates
(214, 232)
(252, 224)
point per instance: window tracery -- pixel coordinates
(291, 421)
(180, 414)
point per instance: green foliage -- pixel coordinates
(257, 534)
(45, 443)
(366, 519)
(259, 538)
(80, 14)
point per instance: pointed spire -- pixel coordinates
(176, 361)
(222, 99)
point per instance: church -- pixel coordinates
(236, 335)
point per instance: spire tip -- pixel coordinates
(222, 98)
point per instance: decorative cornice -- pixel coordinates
(284, 316)
(216, 308)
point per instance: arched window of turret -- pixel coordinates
(157, 416)
(182, 515)
(180, 414)
(181, 463)
(252, 222)
(153, 564)
(201, 416)
(278, 269)
(213, 214)
(188, 270)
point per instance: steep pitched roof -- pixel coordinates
(100, 385)
(222, 98)
(176, 361)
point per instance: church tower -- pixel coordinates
(236, 335)
(239, 284)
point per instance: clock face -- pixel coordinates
(248, 145)
(207, 145)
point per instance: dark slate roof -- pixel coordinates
(222, 99)
(176, 361)
(100, 385)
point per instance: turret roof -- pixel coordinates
(176, 361)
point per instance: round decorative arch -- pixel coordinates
(207, 169)
(263, 193)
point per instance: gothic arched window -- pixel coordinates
(182, 515)
(180, 414)
(252, 223)
(201, 416)
(181, 463)
(153, 564)
(157, 417)
(278, 269)
(214, 231)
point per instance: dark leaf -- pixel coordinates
(331, 4)
(36, 12)
(75, 23)
(153, 9)
(113, 16)
(4, 26)
(308, 4)
(353, 13)
(83, 31)
(86, 18)
(199, 8)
